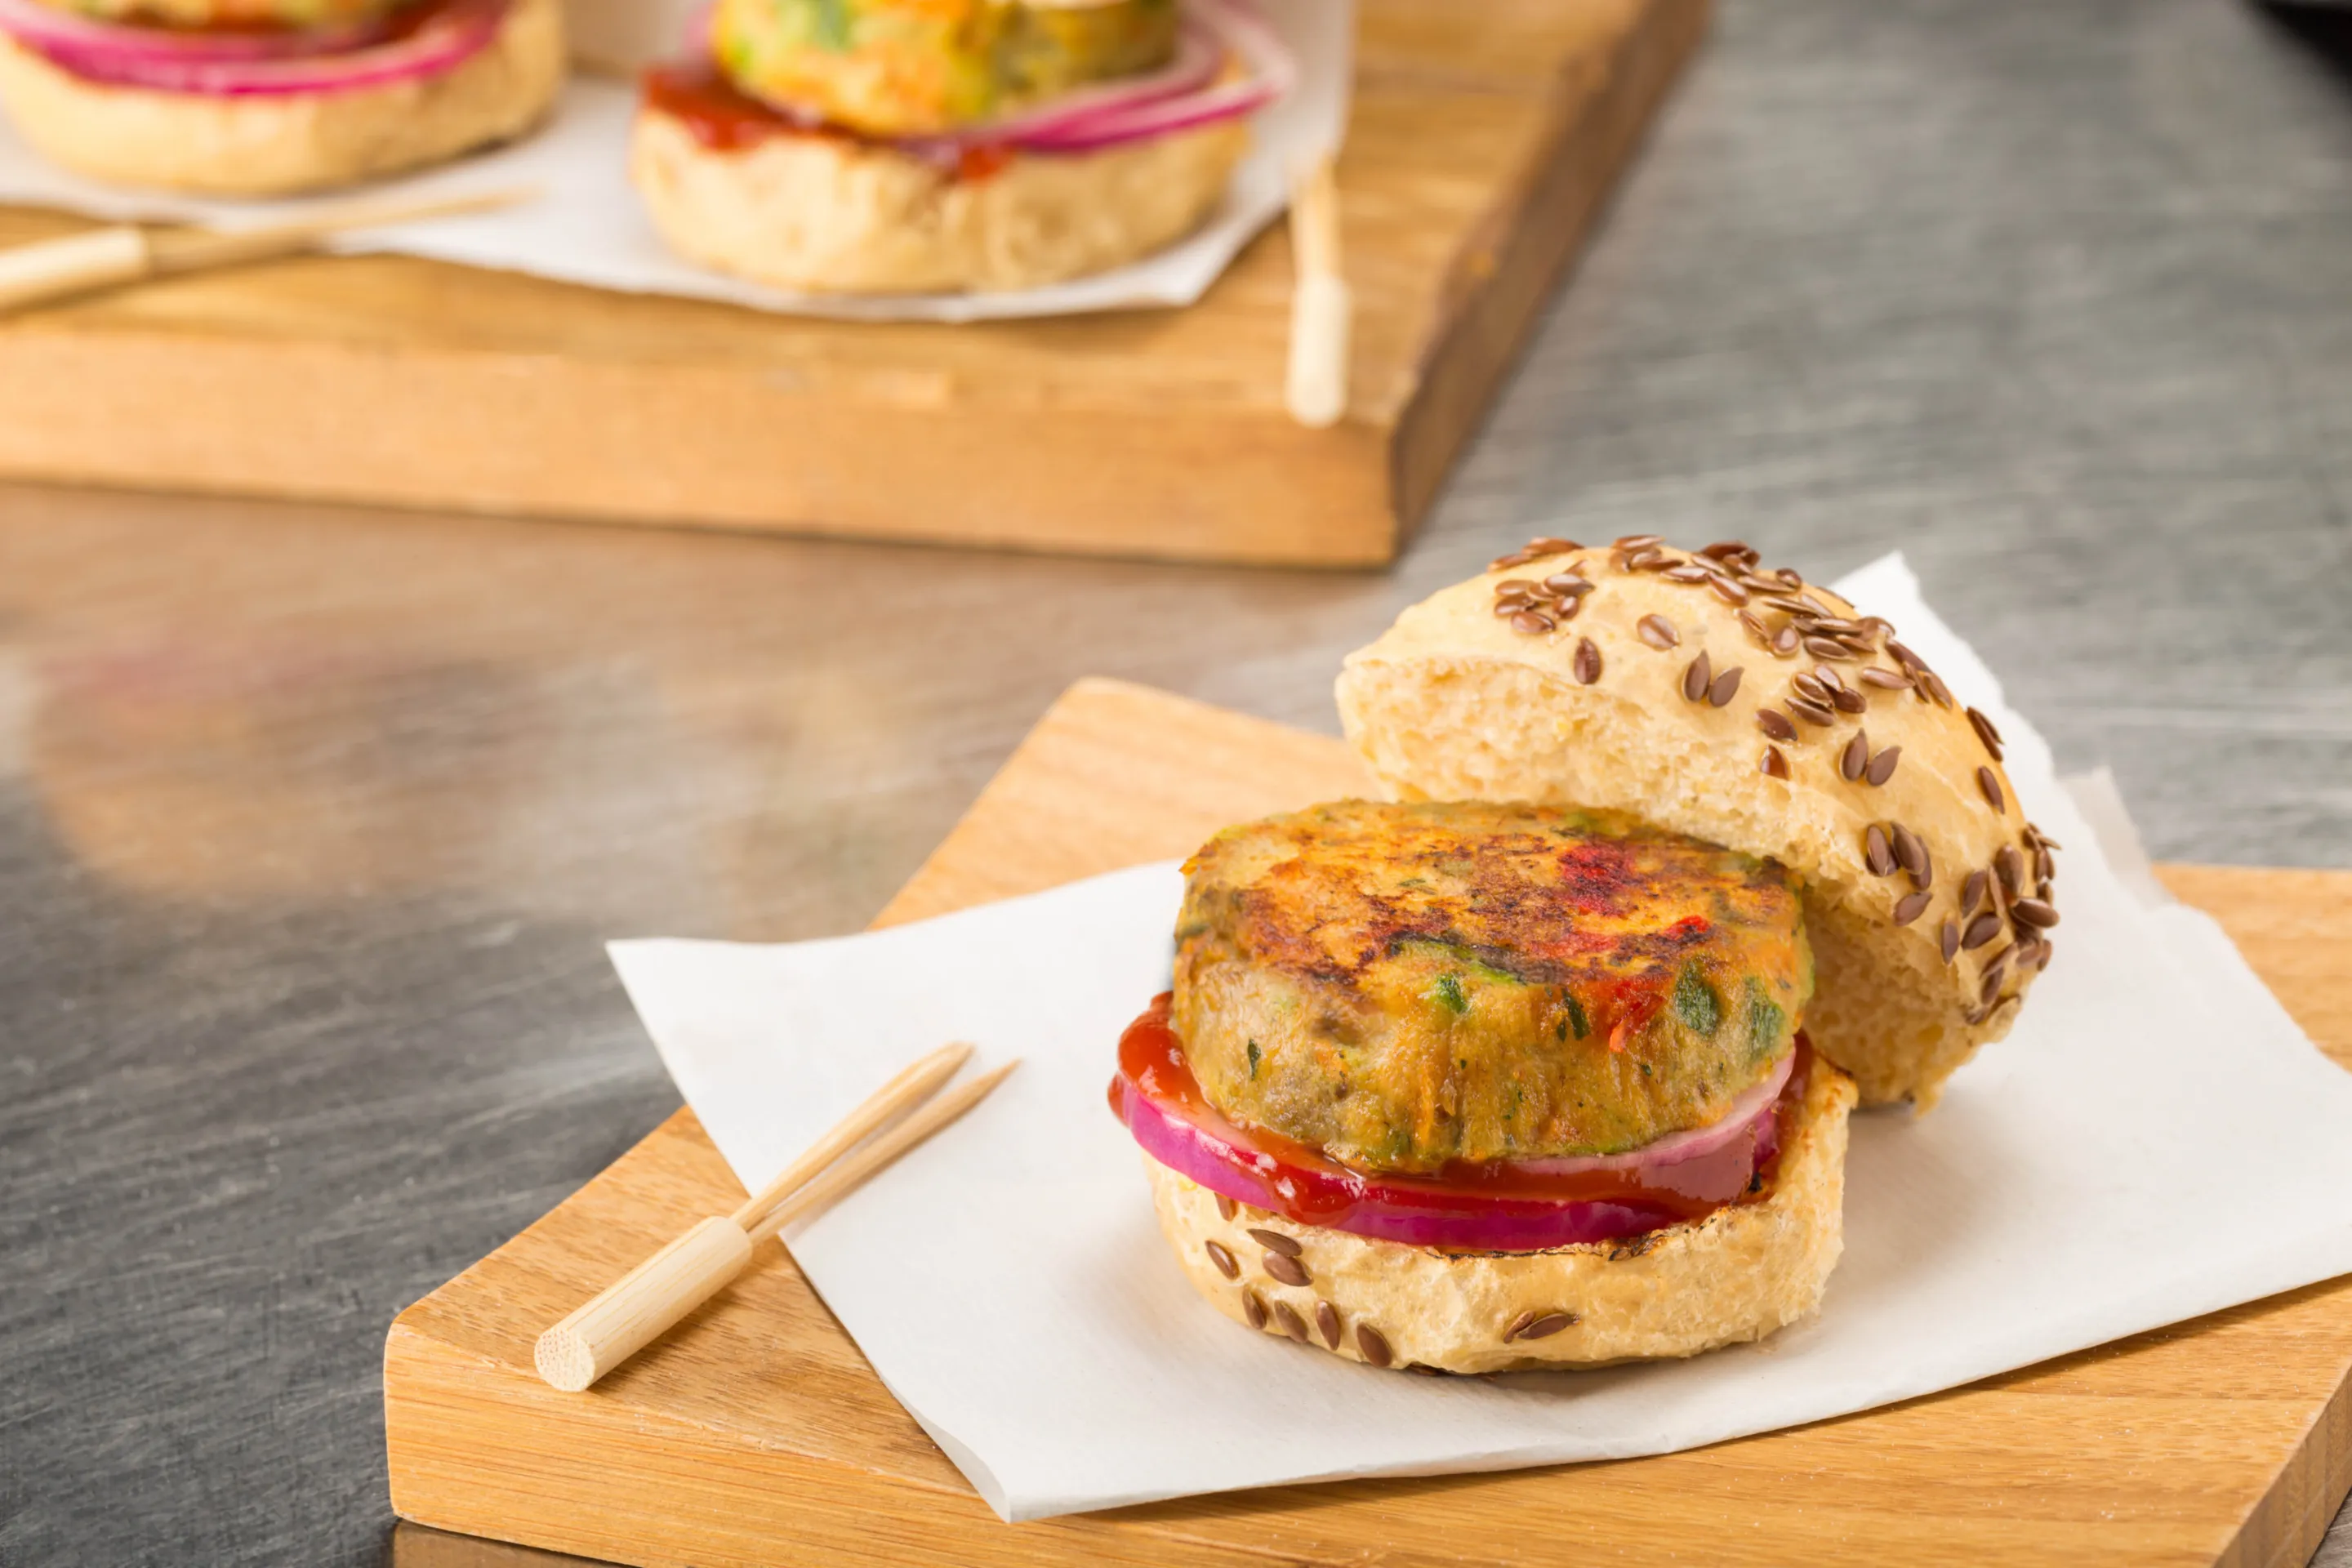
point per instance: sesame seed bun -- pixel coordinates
(831, 215)
(1647, 692)
(1739, 1274)
(284, 144)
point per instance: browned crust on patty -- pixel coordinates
(1405, 985)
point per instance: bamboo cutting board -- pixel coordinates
(756, 1434)
(1485, 135)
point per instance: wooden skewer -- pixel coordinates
(649, 1299)
(1321, 305)
(854, 1172)
(890, 1104)
(128, 253)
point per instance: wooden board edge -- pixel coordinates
(2287, 1523)
(1517, 255)
(691, 446)
(443, 1389)
(738, 1499)
(501, 1490)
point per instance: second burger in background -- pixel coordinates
(896, 146)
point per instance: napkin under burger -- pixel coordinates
(1548, 1061)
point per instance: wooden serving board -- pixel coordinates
(1485, 135)
(756, 1434)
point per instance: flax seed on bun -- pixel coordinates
(1739, 1274)
(283, 144)
(1744, 707)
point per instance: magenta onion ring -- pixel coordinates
(1456, 1215)
(454, 34)
(1200, 54)
(1274, 73)
(1689, 1144)
(44, 29)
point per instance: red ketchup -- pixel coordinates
(715, 111)
(1497, 1206)
(723, 118)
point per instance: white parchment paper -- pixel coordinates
(588, 227)
(2038, 1210)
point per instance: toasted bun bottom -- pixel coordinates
(826, 214)
(1737, 1275)
(281, 145)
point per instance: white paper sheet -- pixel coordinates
(588, 227)
(1010, 1285)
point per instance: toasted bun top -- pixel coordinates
(1751, 709)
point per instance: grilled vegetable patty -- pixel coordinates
(916, 67)
(1405, 985)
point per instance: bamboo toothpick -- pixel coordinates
(649, 1299)
(129, 253)
(853, 1172)
(893, 1102)
(1321, 306)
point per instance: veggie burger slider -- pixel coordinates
(877, 146)
(255, 98)
(1547, 1062)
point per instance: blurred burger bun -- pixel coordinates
(1741, 1273)
(837, 214)
(285, 144)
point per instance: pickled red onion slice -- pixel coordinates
(433, 38)
(1272, 73)
(1186, 94)
(1497, 1207)
(1689, 1144)
(1200, 52)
